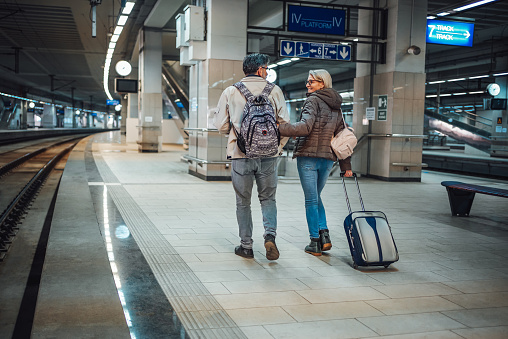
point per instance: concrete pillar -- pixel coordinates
(23, 117)
(402, 80)
(123, 115)
(150, 94)
(68, 118)
(48, 116)
(220, 67)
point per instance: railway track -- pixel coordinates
(22, 173)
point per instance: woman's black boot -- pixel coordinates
(324, 237)
(314, 247)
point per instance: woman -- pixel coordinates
(321, 120)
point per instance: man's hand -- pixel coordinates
(348, 173)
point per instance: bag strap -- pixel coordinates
(244, 90)
(268, 89)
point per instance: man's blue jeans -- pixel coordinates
(314, 173)
(243, 174)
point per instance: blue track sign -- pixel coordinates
(287, 48)
(315, 50)
(112, 102)
(450, 33)
(316, 20)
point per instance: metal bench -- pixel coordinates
(461, 195)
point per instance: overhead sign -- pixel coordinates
(450, 33)
(314, 50)
(316, 20)
(112, 102)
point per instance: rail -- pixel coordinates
(202, 162)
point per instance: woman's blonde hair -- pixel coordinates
(323, 76)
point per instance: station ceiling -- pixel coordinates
(47, 50)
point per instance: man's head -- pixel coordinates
(256, 64)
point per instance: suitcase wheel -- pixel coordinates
(386, 266)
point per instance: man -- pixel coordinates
(245, 170)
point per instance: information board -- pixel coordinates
(450, 33)
(314, 50)
(316, 20)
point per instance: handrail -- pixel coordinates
(203, 161)
(396, 135)
(201, 129)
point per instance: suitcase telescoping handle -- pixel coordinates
(345, 191)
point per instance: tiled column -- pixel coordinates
(402, 79)
(225, 49)
(150, 94)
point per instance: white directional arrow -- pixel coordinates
(313, 50)
(333, 52)
(467, 34)
(288, 49)
(344, 53)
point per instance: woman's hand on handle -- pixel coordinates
(349, 173)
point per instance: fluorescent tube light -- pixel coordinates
(272, 66)
(118, 30)
(499, 74)
(445, 95)
(443, 14)
(128, 8)
(462, 93)
(458, 79)
(431, 96)
(122, 20)
(477, 92)
(474, 4)
(431, 17)
(112, 44)
(436, 82)
(283, 62)
(295, 59)
(115, 37)
(479, 76)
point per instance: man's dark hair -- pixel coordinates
(252, 62)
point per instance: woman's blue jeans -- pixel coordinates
(314, 173)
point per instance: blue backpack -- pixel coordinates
(259, 136)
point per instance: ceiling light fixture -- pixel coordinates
(283, 62)
(436, 82)
(477, 92)
(462, 93)
(430, 17)
(126, 10)
(443, 13)
(474, 4)
(479, 76)
(499, 74)
(458, 79)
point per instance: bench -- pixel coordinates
(461, 195)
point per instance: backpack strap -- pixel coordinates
(244, 90)
(268, 89)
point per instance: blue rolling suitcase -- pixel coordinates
(369, 235)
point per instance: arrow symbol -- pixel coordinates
(313, 51)
(333, 52)
(467, 34)
(288, 49)
(344, 53)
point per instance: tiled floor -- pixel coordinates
(451, 280)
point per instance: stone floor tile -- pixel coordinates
(194, 250)
(256, 332)
(259, 316)
(408, 278)
(246, 264)
(474, 274)
(498, 332)
(337, 282)
(480, 300)
(341, 294)
(269, 299)
(330, 329)
(481, 317)
(410, 323)
(416, 290)
(220, 276)
(277, 272)
(425, 335)
(216, 288)
(254, 286)
(413, 305)
(330, 311)
(479, 286)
